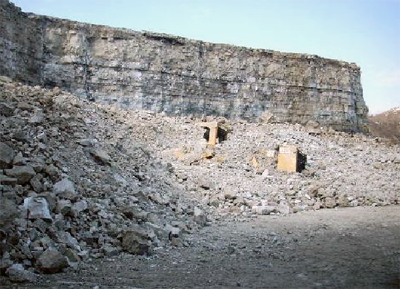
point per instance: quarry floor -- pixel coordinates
(330, 248)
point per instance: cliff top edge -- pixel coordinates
(178, 40)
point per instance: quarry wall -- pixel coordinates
(175, 75)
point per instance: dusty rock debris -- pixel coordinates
(81, 181)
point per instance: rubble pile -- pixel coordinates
(80, 180)
(75, 185)
(239, 176)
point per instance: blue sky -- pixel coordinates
(366, 32)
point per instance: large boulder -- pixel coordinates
(6, 156)
(199, 216)
(36, 183)
(38, 208)
(23, 174)
(65, 189)
(6, 180)
(101, 156)
(264, 210)
(67, 239)
(8, 212)
(5, 79)
(52, 261)
(79, 207)
(136, 241)
(17, 273)
(5, 261)
(6, 109)
(64, 207)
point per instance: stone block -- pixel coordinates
(212, 132)
(38, 208)
(290, 159)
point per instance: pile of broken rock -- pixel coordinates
(80, 180)
(71, 189)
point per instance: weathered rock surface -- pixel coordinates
(164, 73)
(6, 180)
(8, 211)
(63, 200)
(23, 174)
(6, 109)
(52, 261)
(6, 155)
(136, 241)
(22, 37)
(199, 216)
(98, 180)
(38, 208)
(101, 156)
(65, 189)
(17, 273)
(160, 186)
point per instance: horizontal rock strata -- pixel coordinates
(179, 76)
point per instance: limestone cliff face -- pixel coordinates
(20, 44)
(175, 75)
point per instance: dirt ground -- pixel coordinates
(337, 248)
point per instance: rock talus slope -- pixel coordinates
(73, 189)
(80, 180)
(131, 172)
(179, 76)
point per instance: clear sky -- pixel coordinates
(366, 32)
